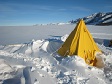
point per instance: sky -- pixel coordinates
(31, 12)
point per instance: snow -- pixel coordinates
(110, 20)
(107, 16)
(28, 56)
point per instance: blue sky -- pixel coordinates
(30, 12)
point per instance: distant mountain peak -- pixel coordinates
(99, 18)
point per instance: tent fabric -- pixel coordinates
(81, 43)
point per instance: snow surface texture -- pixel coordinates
(36, 62)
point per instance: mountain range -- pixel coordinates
(96, 19)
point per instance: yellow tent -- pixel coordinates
(81, 43)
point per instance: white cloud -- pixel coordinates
(6, 8)
(108, 6)
(80, 8)
(19, 7)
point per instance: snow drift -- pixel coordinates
(37, 62)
